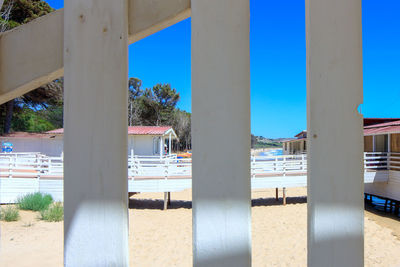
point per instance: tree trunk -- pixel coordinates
(9, 114)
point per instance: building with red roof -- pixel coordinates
(142, 140)
(380, 135)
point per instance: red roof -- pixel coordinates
(302, 134)
(148, 130)
(383, 128)
(133, 130)
(27, 135)
(372, 121)
(56, 131)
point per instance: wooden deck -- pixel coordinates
(21, 175)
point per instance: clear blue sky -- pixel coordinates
(278, 63)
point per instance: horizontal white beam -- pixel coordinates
(32, 54)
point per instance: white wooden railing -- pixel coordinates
(36, 165)
(375, 161)
(30, 165)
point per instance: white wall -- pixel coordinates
(142, 144)
(381, 143)
(390, 189)
(48, 146)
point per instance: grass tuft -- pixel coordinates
(9, 214)
(35, 201)
(54, 213)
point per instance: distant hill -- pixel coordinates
(263, 142)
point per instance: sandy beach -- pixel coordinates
(164, 238)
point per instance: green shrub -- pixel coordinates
(9, 214)
(54, 213)
(35, 201)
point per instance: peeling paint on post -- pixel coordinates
(96, 82)
(335, 130)
(221, 133)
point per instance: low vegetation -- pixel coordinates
(262, 142)
(54, 213)
(49, 211)
(9, 214)
(35, 201)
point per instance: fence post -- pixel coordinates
(136, 165)
(9, 167)
(284, 196)
(252, 170)
(39, 166)
(365, 161)
(166, 194)
(166, 168)
(132, 164)
(284, 165)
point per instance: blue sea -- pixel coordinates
(272, 152)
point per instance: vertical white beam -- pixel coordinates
(95, 184)
(335, 133)
(388, 143)
(221, 133)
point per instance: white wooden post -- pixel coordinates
(10, 167)
(132, 166)
(253, 166)
(161, 147)
(334, 92)
(284, 165)
(96, 82)
(221, 133)
(170, 144)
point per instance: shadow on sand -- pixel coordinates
(158, 204)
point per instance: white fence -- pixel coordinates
(36, 165)
(39, 166)
(22, 173)
(30, 165)
(374, 161)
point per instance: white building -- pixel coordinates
(296, 146)
(143, 140)
(48, 144)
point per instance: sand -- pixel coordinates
(164, 238)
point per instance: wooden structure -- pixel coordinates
(22, 173)
(88, 43)
(142, 140)
(297, 145)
